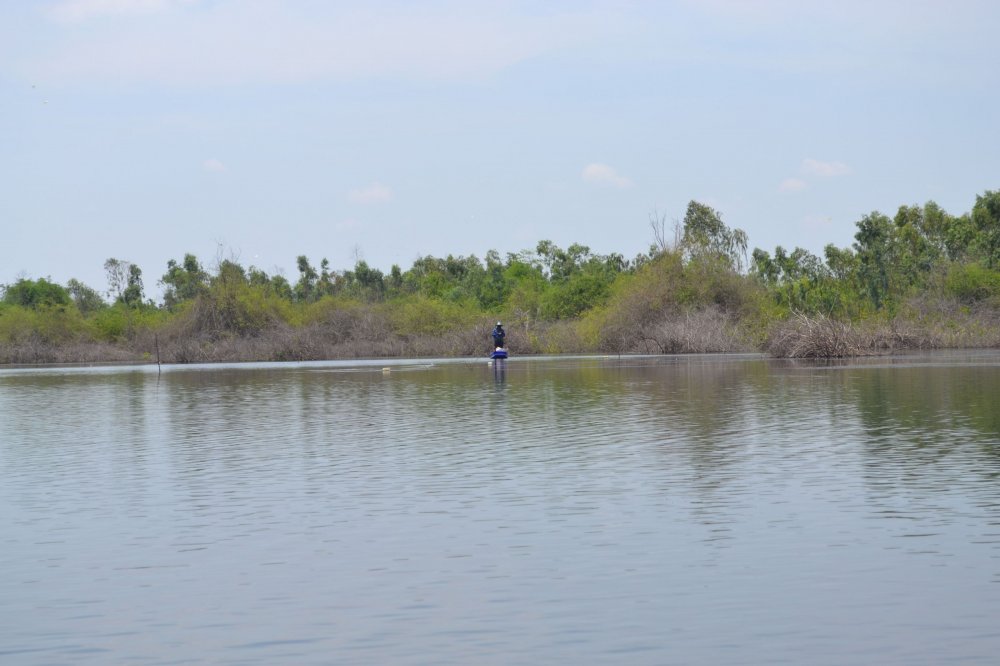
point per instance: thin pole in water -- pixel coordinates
(156, 341)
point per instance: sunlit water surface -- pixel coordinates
(667, 510)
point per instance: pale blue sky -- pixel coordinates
(144, 129)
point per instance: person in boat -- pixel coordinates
(498, 336)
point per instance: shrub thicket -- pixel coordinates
(923, 278)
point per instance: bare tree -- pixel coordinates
(117, 271)
(658, 223)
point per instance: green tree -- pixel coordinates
(453, 278)
(133, 294)
(842, 262)
(581, 291)
(493, 289)
(525, 284)
(561, 264)
(706, 235)
(36, 293)
(917, 250)
(394, 282)
(124, 282)
(365, 283)
(798, 281)
(282, 288)
(184, 281)
(986, 222)
(87, 300)
(876, 254)
(305, 288)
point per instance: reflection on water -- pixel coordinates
(592, 510)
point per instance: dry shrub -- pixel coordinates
(693, 331)
(948, 323)
(901, 335)
(363, 333)
(33, 350)
(818, 336)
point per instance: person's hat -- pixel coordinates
(499, 324)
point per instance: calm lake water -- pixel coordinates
(654, 510)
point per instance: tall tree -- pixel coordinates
(706, 235)
(305, 288)
(124, 281)
(876, 256)
(133, 294)
(184, 281)
(986, 220)
(87, 300)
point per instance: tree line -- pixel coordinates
(699, 284)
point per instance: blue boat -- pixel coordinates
(499, 353)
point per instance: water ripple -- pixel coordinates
(585, 510)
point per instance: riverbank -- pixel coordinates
(705, 330)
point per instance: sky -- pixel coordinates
(260, 130)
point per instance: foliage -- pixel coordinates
(705, 235)
(877, 256)
(183, 281)
(234, 305)
(661, 298)
(121, 322)
(49, 324)
(87, 300)
(986, 222)
(124, 282)
(891, 260)
(36, 293)
(579, 280)
(687, 294)
(971, 283)
(429, 316)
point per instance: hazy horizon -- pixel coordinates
(147, 129)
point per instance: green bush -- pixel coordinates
(327, 309)
(35, 293)
(50, 324)
(428, 316)
(17, 323)
(972, 282)
(235, 309)
(111, 324)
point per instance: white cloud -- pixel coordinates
(82, 10)
(792, 185)
(817, 222)
(235, 42)
(602, 174)
(815, 168)
(825, 169)
(373, 194)
(213, 165)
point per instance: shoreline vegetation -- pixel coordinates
(923, 279)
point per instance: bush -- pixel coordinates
(699, 331)
(972, 282)
(111, 324)
(232, 309)
(17, 323)
(428, 316)
(818, 336)
(35, 293)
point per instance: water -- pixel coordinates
(667, 510)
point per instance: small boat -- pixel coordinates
(499, 352)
